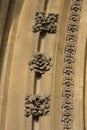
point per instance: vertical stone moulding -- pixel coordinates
(69, 65)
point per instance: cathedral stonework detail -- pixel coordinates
(43, 64)
(37, 105)
(40, 63)
(69, 65)
(45, 24)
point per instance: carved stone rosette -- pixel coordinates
(45, 24)
(40, 63)
(69, 65)
(37, 105)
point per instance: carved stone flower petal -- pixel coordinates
(40, 63)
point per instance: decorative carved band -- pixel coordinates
(46, 24)
(37, 105)
(69, 65)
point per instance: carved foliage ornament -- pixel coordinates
(37, 105)
(69, 65)
(46, 24)
(40, 63)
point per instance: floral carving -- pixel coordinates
(68, 72)
(69, 65)
(40, 63)
(37, 105)
(46, 24)
(71, 50)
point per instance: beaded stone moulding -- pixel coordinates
(67, 106)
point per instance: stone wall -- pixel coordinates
(65, 81)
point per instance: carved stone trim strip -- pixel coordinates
(37, 105)
(67, 106)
